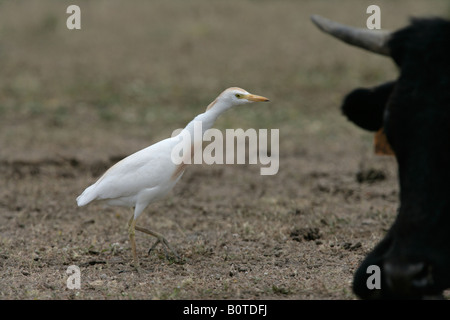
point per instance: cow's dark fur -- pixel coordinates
(414, 110)
(365, 107)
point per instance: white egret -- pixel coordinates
(149, 174)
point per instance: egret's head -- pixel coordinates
(236, 96)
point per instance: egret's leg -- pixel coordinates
(140, 206)
(160, 239)
(131, 228)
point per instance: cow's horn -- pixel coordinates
(372, 40)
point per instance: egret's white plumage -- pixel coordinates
(149, 174)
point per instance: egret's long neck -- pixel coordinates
(207, 118)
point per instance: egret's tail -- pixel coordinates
(87, 196)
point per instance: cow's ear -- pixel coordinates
(365, 107)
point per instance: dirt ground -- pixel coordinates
(72, 103)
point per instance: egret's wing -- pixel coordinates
(145, 169)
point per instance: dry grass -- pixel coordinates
(73, 102)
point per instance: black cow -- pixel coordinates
(414, 110)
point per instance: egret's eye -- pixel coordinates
(237, 95)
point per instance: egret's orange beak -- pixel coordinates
(255, 98)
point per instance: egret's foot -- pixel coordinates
(162, 240)
(165, 244)
(136, 267)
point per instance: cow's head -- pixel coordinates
(414, 110)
